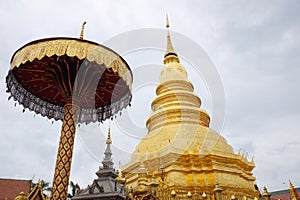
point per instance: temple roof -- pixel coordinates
(10, 188)
(284, 194)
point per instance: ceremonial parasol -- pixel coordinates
(73, 80)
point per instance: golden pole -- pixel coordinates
(64, 155)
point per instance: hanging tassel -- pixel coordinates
(15, 104)
(9, 98)
(24, 110)
(52, 122)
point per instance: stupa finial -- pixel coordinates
(108, 140)
(170, 55)
(107, 161)
(167, 22)
(82, 30)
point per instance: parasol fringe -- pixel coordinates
(51, 111)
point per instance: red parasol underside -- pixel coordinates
(99, 85)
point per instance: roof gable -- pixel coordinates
(37, 193)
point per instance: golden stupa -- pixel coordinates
(181, 151)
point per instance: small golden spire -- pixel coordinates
(293, 192)
(170, 55)
(82, 30)
(108, 140)
(265, 194)
(39, 184)
(21, 196)
(173, 193)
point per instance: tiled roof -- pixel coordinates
(283, 194)
(10, 188)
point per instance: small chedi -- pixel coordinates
(107, 185)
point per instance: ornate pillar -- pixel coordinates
(64, 155)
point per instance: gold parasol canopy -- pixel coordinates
(47, 73)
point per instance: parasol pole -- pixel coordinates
(65, 151)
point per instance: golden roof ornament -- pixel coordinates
(154, 183)
(120, 179)
(21, 196)
(217, 188)
(293, 191)
(265, 194)
(173, 193)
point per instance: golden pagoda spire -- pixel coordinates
(293, 191)
(82, 30)
(107, 161)
(108, 140)
(170, 54)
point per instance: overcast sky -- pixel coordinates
(254, 46)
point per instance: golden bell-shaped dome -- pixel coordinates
(21, 196)
(182, 145)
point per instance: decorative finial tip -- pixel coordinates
(170, 55)
(108, 140)
(82, 30)
(167, 22)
